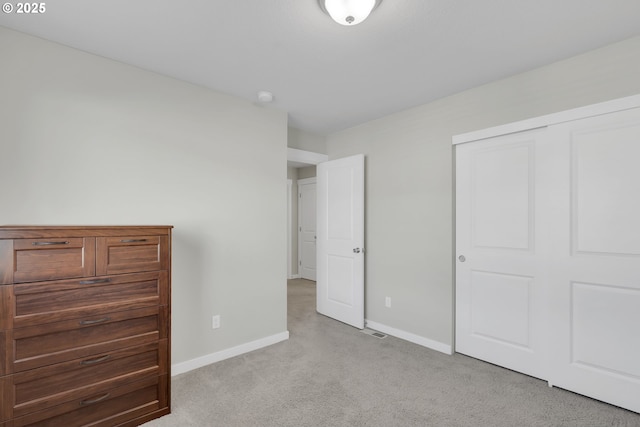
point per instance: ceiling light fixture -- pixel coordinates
(348, 12)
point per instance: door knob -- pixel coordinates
(462, 258)
(356, 251)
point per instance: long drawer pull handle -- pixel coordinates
(133, 240)
(96, 360)
(93, 322)
(49, 243)
(93, 282)
(96, 400)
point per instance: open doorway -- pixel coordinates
(301, 173)
(334, 240)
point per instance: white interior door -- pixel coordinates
(596, 274)
(307, 228)
(340, 285)
(499, 278)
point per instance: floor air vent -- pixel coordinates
(374, 333)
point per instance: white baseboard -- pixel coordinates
(199, 362)
(294, 276)
(408, 336)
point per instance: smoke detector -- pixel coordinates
(265, 97)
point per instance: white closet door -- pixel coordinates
(500, 279)
(595, 293)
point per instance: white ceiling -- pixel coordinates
(326, 76)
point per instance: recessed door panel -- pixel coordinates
(341, 276)
(340, 211)
(501, 308)
(602, 314)
(606, 190)
(501, 193)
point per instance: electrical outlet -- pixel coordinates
(215, 322)
(387, 302)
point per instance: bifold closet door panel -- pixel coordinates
(500, 279)
(595, 292)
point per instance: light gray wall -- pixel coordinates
(409, 177)
(308, 172)
(307, 141)
(86, 140)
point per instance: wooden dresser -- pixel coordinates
(84, 325)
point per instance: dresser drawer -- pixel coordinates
(47, 302)
(128, 254)
(104, 408)
(41, 388)
(47, 344)
(53, 258)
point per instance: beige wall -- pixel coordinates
(86, 140)
(306, 141)
(409, 177)
(308, 172)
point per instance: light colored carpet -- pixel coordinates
(329, 374)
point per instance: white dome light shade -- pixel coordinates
(349, 12)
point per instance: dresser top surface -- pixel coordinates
(35, 231)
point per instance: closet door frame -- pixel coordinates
(613, 106)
